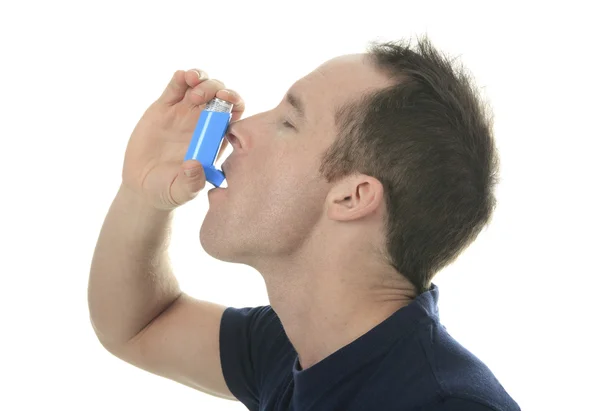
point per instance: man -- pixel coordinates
(374, 172)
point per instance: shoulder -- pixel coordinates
(462, 378)
(255, 353)
(462, 404)
(258, 324)
(253, 320)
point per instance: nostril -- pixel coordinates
(233, 140)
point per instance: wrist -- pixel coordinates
(133, 200)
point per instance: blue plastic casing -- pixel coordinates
(207, 138)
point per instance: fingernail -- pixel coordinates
(229, 92)
(192, 172)
(201, 75)
(198, 91)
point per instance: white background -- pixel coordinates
(76, 76)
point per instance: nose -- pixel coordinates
(233, 136)
(233, 140)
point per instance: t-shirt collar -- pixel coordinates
(314, 382)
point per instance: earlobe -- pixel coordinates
(354, 198)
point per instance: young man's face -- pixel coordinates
(275, 195)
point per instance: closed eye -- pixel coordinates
(287, 124)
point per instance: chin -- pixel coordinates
(215, 242)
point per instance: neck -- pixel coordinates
(328, 303)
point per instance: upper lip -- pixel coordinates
(224, 168)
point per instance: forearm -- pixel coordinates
(130, 281)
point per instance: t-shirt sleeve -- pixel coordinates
(246, 338)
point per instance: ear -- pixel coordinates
(354, 197)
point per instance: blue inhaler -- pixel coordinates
(207, 138)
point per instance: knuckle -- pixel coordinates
(211, 88)
(218, 84)
(202, 75)
(231, 96)
(177, 76)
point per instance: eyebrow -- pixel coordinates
(297, 104)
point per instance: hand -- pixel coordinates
(154, 166)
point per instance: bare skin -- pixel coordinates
(317, 244)
(137, 309)
(314, 243)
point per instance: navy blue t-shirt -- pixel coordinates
(407, 362)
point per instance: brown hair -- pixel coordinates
(428, 139)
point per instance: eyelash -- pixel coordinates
(287, 124)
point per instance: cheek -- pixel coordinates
(275, 165)
(288, 213)
(293, 193)
(281, 176)
(280, 188)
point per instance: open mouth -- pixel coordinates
(224, 168)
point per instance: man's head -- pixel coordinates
(386, 155)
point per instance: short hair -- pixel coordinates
(428, 139)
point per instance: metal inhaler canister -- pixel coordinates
(207, 138)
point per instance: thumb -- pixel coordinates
(189, 182)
